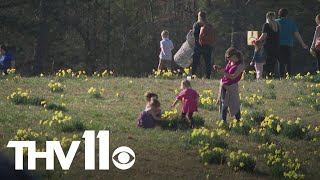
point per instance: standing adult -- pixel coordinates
(271, 38)
(313, 50)
(7, 60)
(204, 38)
(288, 30)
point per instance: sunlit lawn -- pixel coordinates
(160, 154)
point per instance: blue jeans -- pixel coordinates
(4, 68)
(206, 51)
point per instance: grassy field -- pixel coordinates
(160, 154)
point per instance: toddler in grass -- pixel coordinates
(150, 117)
(152, 113)
(149, 95)
(190, 100)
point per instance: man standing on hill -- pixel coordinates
(204, 39)
(288, 30)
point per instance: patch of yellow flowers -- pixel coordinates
(169, 115)
(253, 99)
(95, 93)
(19, 93)
(273, 122)
(241, 160)
(279, 159)
(70, 74)
(55, 86)
(207, 100)
(30, 135)
(105, 73)
(171, 74)
(57, 118)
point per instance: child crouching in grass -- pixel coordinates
(149, 118)
(190, 100)
(149, 95)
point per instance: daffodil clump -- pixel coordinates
(273, 124)
(219, 131)
(164, 74)
(313, 99)
(30, 135)
(24, 98)
(203, 137)
(54, 106)
(63, 123)
(62, 74)
(57, 118)
(11, 74)
(172, 120)
(208, 100)
(171, 74)
(55, 86)
(280, 162)
(259, 134)
(250, 101)
(296, 130)
(41, 137)
(250, 75)
(170, 115)
(104, 74)
(255, 116)
(241, 161)
(66, 141)
(11, 71)
(269, 84)
(215, 155)
(95, 93)
(315, 78)
(241, 127)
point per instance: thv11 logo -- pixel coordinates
(120, 157)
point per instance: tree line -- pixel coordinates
(124, 35)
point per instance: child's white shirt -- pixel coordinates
(166, 46)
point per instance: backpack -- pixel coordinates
(317, 45)
(207, 35)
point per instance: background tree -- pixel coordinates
(124, 35)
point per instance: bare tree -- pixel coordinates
(42, 41)
(236, 30)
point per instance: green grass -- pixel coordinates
(160, 154)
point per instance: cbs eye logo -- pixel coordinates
(123, 158)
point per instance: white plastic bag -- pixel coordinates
(183, 57)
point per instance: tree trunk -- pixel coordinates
(108, 33)
(42, 41)
(92, 37)
(236, 32)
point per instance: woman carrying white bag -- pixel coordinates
(183, 57)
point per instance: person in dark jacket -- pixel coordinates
(205, 50)
(7, 60)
